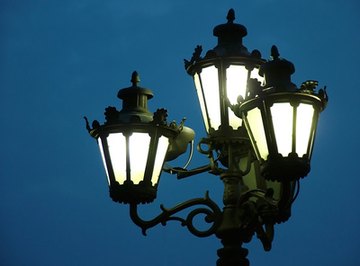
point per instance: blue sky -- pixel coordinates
(60, 60)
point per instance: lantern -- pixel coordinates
(281, 121)
(134, 144)
(221, 77)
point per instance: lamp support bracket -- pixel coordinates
(211, 211)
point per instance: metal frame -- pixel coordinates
(246, 210)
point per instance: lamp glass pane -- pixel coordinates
(117, 150)
(256, 125)
(139, 144)
(210, 85)
(103, 158)
(201, 100)
(160, 157)
(282, 118)
(304, 118)
(255, 75)
(236, 83)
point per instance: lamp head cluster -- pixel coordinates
(260, 132)
(238, 90)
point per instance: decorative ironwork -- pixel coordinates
(111, 115)
(195, 57)
(254, 200)
(160, 116)
(212, 215)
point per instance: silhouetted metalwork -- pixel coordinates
(212, 215)
(260, 136)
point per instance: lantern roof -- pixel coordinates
(135, 99)
(277, 72)
(230, 37)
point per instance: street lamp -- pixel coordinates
(134, 144)
(281, 120)
(260, 136)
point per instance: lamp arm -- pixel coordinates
(212, 212)
(183, 173)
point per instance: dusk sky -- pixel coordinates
(61, 60)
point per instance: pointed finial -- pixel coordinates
(274, 52)
(231, 16)
(135, 79)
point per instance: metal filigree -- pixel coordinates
(195, 57)
(111, 114)
(212, 215)
(309, 87)
(160, 116)
(95, 125)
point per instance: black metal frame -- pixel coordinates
(212, 212)
(277, 166)
(246, 211)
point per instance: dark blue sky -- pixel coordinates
(60, 60)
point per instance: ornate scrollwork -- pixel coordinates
(211, 211)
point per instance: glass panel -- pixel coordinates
(236, 82)
(234, 121)
(117, 150)
(304, 118)
(138, 148)
(160, 157)
(201, 100)
(210, 82)
(256, 125)
(282, 118)
(103, 158)
(255, 75)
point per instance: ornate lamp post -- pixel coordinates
(260, 136)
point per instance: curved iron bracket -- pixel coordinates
(212, 214)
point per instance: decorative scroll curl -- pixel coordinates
(211, 211)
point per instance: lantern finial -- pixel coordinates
(274, 52)
(135, 79)
(231, 16)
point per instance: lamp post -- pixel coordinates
(260, 136)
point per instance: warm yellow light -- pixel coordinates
(304, 118)
(210, 84)
(117, 150)
(160, 157)
(257, 129)
(282, 117)
(255, 75)
(236, 82)
(139, 144)
(103, 158)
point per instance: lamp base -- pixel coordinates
(133, 194)
(232, 254)
(279, 168)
